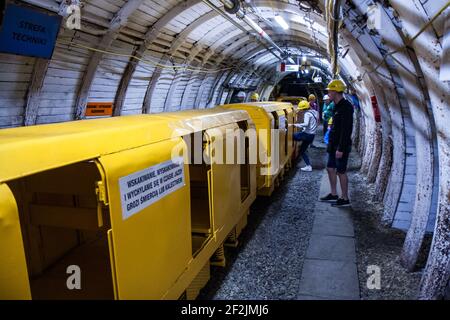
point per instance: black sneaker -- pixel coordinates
(341, 203)
(329, 197)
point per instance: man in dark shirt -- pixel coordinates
(340, 144)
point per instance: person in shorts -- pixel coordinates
(339, 144)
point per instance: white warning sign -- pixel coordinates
(142, 188)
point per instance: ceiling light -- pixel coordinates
(298, 19)
(310, 24)
(280, 20)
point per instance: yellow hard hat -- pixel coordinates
(311, 97)
(303, 105)
(337, 85)
(254, 96)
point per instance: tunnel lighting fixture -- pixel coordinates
(280, 20)
(298, 19)
(304, 59)
(310, 24)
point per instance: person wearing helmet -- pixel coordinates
(339, 144)
(254, 97)
(327, 112)
(309, 127)
(312, 102)
(239, 97)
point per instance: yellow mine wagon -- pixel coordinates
(123, 201)
(274, 125)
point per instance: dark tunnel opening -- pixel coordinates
(299, 84)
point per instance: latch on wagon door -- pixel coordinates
(100, 190)
(102, 195)
(102, 200)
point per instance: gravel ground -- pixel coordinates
(268, 262)
(379, 245)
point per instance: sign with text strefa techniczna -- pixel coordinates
(28, 32)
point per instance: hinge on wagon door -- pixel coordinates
(100, 190)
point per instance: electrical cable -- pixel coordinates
(145, 61)
(333, 19)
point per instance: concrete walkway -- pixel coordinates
(329, 270)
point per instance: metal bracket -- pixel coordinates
(100, 190)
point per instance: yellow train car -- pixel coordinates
(286, 114)
(294, 100)
(274, 126)
(118, 202)
(298, 117)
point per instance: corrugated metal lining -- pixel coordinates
(214, 43)
(15, 75)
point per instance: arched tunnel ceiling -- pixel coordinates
(186, 21)
(183, 33)
(178, 34)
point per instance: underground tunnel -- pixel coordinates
(96, 95)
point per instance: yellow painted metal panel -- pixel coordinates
(28, 150)
(294, 100)
(197, 120)
(290, 113)
(152, 247)
(261, 115)
(282, 136)
(14, 282)
(262, 121)
(283, 109)
(112, 261)
(225, 181)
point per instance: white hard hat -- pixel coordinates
(326, 97)
(241, 94)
